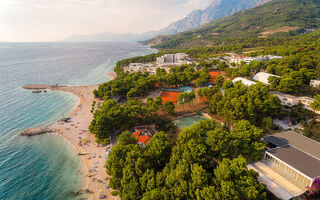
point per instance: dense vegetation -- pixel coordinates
(125, 85)
(137, 84)
(112, 117)
(253, 103)
(206, 162)
(316, 104)
(312, 129)
(276, 16)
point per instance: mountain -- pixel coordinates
(216, 10)
(261, 21)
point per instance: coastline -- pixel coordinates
(92, 155)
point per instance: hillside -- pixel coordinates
(262, 21)
(217, 10)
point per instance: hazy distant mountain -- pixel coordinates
(218, 9)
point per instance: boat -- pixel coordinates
(36, 91)
(45, 91)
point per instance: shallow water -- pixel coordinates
(45, 167)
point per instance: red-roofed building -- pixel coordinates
(144, 140)
(143, 134)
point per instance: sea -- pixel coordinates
(46, 167)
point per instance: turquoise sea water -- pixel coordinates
(45, 167)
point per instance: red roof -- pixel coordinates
(136, 134)
(239, 56)
(144, 139)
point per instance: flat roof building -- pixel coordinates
(173, 59)
(287, 99)
(291, 160)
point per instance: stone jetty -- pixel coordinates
(37, 131)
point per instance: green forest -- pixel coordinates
(201, 164)
(298, 15)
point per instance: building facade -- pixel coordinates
(294, 156)
(292, 174)
(315, 83)
(286, 99)
(173, 59)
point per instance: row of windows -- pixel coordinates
(288, 170)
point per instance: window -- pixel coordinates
(295, 174)
(308, 182)
(300, 178)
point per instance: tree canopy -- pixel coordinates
(196, 167)
(253, 103)
(316, 104)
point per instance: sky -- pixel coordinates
(54, 20)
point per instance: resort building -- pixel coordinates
(290, 100)
(263, 77)
(141, 67)
(244, 81)
(315, 83)
(234, 58)
(306, 102)
(143, 134)
(173, 59)
(291, 163)
(286, 99)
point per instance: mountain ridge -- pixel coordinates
(274, 17)
(217, 9)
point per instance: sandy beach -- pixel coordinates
(93, 155)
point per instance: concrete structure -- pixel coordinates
(234, 58)
(291, 160)
(244, 81)
(173, 59)
(286, 99)
(290, 100)
(263, 77)
(315, 83)
(141, 67)
(306, 102)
